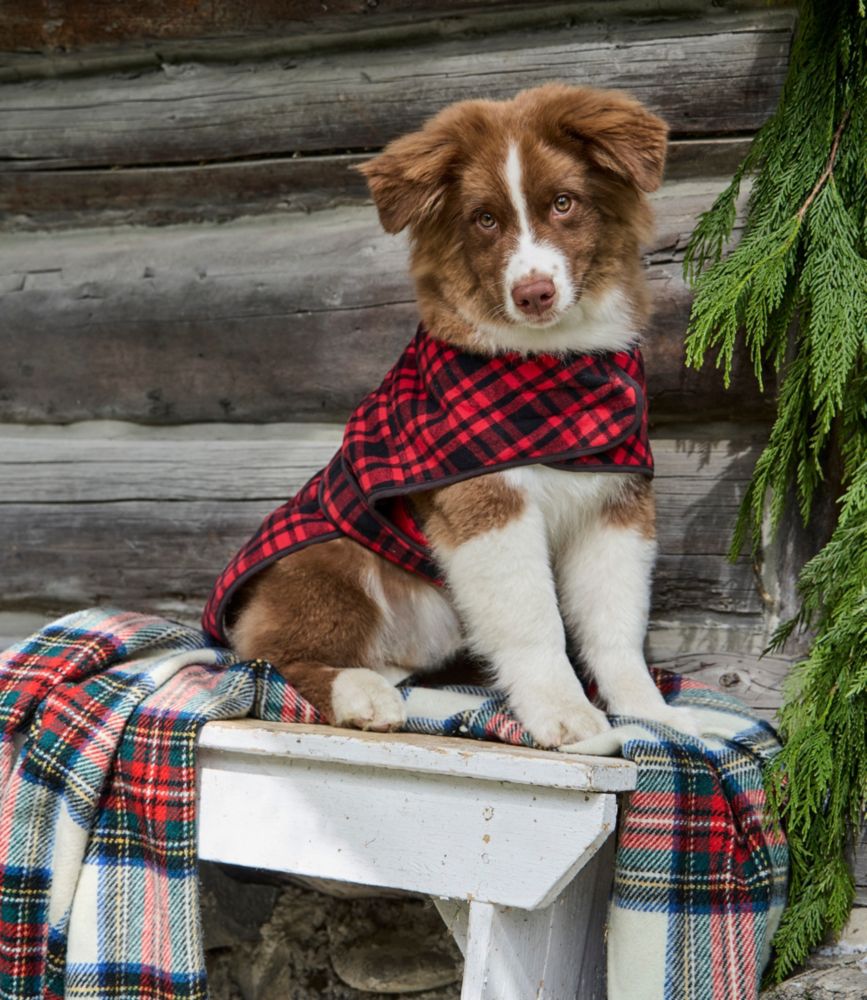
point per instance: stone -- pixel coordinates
(292, 959)
(222, 983)
(845, 979)
(345, 890)
(394, 962)
(837, 971)
(232, 910)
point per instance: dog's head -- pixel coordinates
(526, 217)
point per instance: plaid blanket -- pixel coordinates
(99, 715)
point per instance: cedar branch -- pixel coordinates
(829, 167)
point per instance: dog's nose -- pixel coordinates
(534, 297)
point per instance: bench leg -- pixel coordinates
(556, 953)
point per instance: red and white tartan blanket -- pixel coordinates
(99, 716)
(441, 416)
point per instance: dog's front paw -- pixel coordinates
(681, 719)
(556, 717)
(363, 699)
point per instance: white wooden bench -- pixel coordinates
(514, 845)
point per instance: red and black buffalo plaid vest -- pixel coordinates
(441, 416)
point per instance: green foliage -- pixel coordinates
(820, 779)
(792, 295)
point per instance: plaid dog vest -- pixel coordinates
(439, 417)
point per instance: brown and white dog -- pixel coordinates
(526, 219)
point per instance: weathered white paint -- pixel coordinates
(549, 954)
(404, 825)
(519, 840)
(272, 741)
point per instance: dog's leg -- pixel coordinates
(354, 697)
(489, 537)
(604, 578)
(311, 616)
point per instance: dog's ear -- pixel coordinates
(410, 177)
(612, 129)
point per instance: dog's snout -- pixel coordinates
(534, 297)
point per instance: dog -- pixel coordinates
(526, 218)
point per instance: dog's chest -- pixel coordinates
(570, 502)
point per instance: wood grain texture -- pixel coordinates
(860, 872)
(29, 26)
(280, 317)
(146, 518)
(143, 553)
(43, 24)
(755, 680)
(718, 75)
(218, 192)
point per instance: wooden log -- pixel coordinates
(218, 192)
(146, 517)
(107, 462)
(36, 25)
(756, 681)
(268, 319)
(18, 625)
(860, 873)
(30, 25)
(719, 75)
(144, 554)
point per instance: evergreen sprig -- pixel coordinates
(792, 294)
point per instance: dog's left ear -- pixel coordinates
(614, 130)
(409, 178)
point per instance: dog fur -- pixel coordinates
(526, 219)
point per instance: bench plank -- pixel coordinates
(448, 833)
(549, 954)
(416, 752)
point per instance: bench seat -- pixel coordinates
(514, 845)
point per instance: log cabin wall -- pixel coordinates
(194, 289)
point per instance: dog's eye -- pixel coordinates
(562, 204)
(486, 220)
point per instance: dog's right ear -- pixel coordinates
(609, 128)
(410, 177)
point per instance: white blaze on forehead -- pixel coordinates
(514, 180)
(531, 257)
